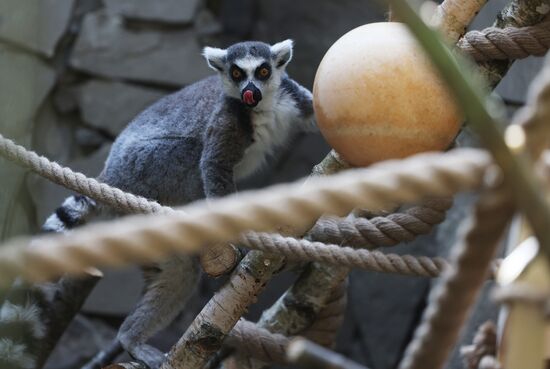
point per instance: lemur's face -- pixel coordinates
(251, 71)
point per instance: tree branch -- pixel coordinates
(453, 17)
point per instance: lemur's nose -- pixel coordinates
(251, 95)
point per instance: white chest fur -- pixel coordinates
(272, 129)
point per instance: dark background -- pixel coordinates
(74, 72)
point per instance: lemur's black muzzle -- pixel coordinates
(251, 95)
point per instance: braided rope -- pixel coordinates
(450, 301)
(382, 231)
(150, 238)
(258, 343)
(506, 43)
(118, 199)
(300, 249)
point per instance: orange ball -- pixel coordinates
(377, 96)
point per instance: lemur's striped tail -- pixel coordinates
(22, 315)
(22, 327)
(74, 211)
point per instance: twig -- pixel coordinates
(306, 354)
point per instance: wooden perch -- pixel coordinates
(64, 300)
(129, 365)
(453, 17)
(205, 335)
(307, 354)
(219, 259)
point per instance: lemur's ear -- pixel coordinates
(215, 57)
(281, 52)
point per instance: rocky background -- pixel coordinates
(73, 73)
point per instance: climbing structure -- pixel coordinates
(310, 222)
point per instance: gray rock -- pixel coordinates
(35, 24)
(53, 133)
(64, 99)
(29, 81)
(89, 138)
(111, 105)
(47, 196)
(167, 11)
(26, 81)
(314, 26)
(106, 48)
(14, 215)
(206, 23)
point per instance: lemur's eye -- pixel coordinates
(263, 72)
(236, 74)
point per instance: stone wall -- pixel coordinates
(73, 73)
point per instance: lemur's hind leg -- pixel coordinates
(169, 287)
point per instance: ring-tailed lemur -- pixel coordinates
(193, 144)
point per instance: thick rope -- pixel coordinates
(258, 343)
(451, 300)
(261, 344)
(114, 197)
(151, 238)
(359, 232)
(506, 43)
(383, 230)
(303, 250)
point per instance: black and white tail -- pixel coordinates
(74, 211)
(22, 320)
(22, 327)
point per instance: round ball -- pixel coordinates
(377, 96)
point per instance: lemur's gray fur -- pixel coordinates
(190, 145)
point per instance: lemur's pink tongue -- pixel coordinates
(248, 97)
